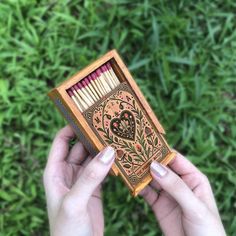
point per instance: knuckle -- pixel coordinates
(67, 204)
(58, 134)
(70, 208)
(144, 192)
(204, 178)
(90, 175)
(200, 213)
(174, 182)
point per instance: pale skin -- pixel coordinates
(185, 203)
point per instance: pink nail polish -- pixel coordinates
(158, 169)
(107, 155)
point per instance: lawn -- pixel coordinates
(182, 55)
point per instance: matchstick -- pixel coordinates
(103, 80)
(111, 76)
(100, 80)
(99, 84)
(83, 90)
(85, 87)
(112, 73)
(79, 98)
(75, 100)
(94, 85)
(90, 87)
(84, 98)
(108, 77)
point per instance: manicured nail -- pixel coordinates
(158, 170)
(107, 155)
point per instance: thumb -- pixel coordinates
(176, 188)
(92, 176)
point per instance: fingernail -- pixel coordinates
(158, 170)
(107, 155)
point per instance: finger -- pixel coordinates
(191, 175)
(155, 185)
(175, 186)
(57, 154)
(95, 205)
(86, 161)
(77, 154)
(83, 165)
(60, 145)
(149, 195)
(182, 166)
(194, 179)
(92, 175)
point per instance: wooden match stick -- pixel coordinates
(98, 83)
(103, 80)
(91, 88)
(111, 77)
(94, 85)
(108, 77)
(99, 79)
(74, 99)
(84, 98)
(112, 73)
(84, 91)
(79, 98)
(85, 87)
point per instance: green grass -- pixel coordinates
(181, 53)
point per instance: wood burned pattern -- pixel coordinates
(119, 121)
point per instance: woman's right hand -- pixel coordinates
(183, 203)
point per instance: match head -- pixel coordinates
(94, 76)
(98, 72)
(73, 90)
(108, 65)
(76, 87)
(80, 85)
(86, 80)
(90, 78)
(70, 93)
(104, 68)
(84, 83)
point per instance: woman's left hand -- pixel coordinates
(72, 182)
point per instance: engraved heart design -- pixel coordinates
(124, 126)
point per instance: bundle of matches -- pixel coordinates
(92, 88)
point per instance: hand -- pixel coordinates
(72, 182)
(185, 203)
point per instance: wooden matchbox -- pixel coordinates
(108, 108)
